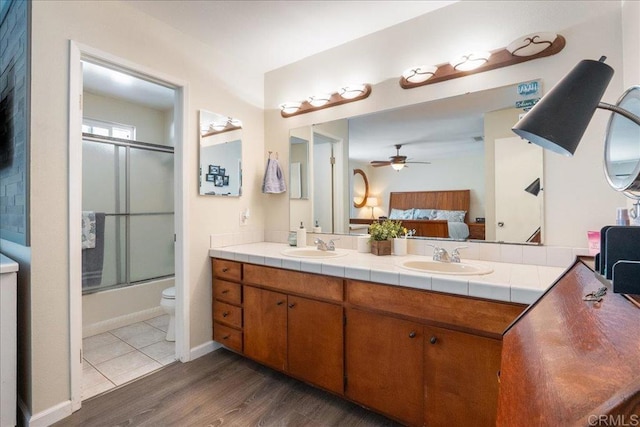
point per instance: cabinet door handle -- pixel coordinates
(412, 334)
(225, 313)
(498, 375)
(433, 339)
(224, 270)
(280, 303)
(226, 291)
(226, 337)
(292, 305)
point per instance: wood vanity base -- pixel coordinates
(419, 357)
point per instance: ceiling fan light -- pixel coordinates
(397, 166)
(419, 74)
(352, 91)
(290, 107)
(320, 99)
(470, 61)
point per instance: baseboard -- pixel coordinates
(44, 418)
(118, 322)
(203, 349)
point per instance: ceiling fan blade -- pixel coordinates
(419, 163)
(378, 163)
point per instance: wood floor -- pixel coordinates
(220, 389)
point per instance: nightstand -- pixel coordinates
(476, 230)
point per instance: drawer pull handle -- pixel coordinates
(433, 340)
(498, 375)
(226, 291)
(224, 270)
(412, 334)
(225, 313)
(226, 337)
(292, 305)
(280, 303)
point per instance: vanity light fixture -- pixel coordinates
(470, 61)
(320, 99)
(419, 74)
(318, 102)
(352, 91)
(526, 48)
(222, 126)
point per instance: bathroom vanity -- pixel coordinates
(404, 350)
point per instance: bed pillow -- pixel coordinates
(401, 214)
(424, 213)
(453, 216)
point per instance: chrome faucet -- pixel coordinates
(323, 246)
(441, 254)
(455, 254)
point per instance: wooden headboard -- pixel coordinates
(453, 200)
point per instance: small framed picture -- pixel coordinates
(210, 177)
(219, 181)
(225, 180)
(214, 170)
(221, 171)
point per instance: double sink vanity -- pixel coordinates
(416, 340)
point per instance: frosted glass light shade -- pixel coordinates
(290, 107)
(419, 74)
(531, 44)
(470, 61)
(320, 99)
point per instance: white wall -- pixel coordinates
(122, 31)
(574, 186)
(151, 124)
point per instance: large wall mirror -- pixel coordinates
(458, 143)
(220, 171)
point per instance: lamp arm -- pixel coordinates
(629, 115)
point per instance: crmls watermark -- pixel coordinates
(614, 420)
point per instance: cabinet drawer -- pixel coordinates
(227, 314)
(312, 285)
(228, 337)
(224, 269)
(227, 291)
(465, 312)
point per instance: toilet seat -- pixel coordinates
(169, 293)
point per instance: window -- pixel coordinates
(110, 129)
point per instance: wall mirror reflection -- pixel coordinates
(220, 171)
(459, 172)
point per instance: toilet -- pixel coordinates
(168, 303)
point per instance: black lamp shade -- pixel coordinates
(534, 187)
(559, 120)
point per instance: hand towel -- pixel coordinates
(92, 259)
(88, 230)
(273, 181)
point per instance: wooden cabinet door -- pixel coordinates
(315, 342)
(265, 326)
(461, 382)
(384, 366)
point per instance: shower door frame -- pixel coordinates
(78, 52)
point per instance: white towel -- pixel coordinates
(88, 230)
(273, 181)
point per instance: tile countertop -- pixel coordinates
(518, 283)
(7, 265)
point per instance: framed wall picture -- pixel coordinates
(219, 180)
(210, 177)
(214, 170)
(225, 180)
(221, 171)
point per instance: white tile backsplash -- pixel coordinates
(553, 256)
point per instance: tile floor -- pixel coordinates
(121, 355)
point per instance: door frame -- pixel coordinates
(78, 52)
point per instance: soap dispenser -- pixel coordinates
(301, 236)
(317, 228)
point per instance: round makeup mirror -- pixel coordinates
(360, 188)
(622, 147)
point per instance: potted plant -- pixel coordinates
(381, 235)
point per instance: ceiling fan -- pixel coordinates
(397, 162)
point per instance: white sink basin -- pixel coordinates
(454, 268)
(312, 252)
